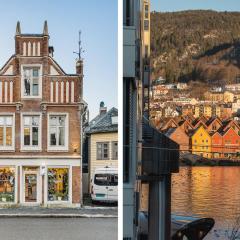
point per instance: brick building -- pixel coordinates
(40, 109)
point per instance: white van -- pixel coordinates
(104, 185)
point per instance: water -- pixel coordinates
(208, 192)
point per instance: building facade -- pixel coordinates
(102, 137)
(39, 126)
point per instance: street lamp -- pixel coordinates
(84, 117)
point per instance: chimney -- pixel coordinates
(102, 109)
(51, 51)
(79, 67)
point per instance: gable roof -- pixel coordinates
(103, 123)
(197, 129)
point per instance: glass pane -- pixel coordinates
(30, 187)
(1, 120)
(101, 179)
(53, 121)
(58, 184)
(27, 120)
(53, 136)
(35, 90)
(26, 136)
(35, 121)
(27, 73)
(1, 135)
(8, 120)
(35, 136)
(7, 183)
(61, 121)
(61, 136)
(9, 136)
(35, 72)
(26, 87)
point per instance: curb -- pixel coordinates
(57, 216)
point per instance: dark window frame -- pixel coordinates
(114, 150)
(102, 151)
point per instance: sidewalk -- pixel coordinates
(41, 212)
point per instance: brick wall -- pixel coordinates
(76, 184)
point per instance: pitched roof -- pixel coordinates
(212, 119)
(103, 122)
(170, 131)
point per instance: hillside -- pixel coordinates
(196, 45)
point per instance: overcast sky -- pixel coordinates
(98, 22)
(178, 5)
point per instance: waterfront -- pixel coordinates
(208, 192)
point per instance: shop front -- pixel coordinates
(43, 184)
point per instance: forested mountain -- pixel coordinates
(196, 45)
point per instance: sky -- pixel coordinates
(98, 22)
(178, 5)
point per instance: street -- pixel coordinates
(58, 228)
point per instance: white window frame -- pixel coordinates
(69, 185)
(31, 148)
(4, 147)
(40, 81)
(58, 148)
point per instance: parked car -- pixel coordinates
(104, 185)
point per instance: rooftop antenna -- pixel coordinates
(80, 49)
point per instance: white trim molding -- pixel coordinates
(31, 97)
(31, 148)
(69, 167)
(64, 148)
(5, 148)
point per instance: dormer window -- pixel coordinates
(31, 81)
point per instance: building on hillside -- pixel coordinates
(207, 110)
(102, 139)
(187, 109)
(228, 97)
(232, 87)
(236, 107)
(40, 111)
(180, 137)
(217, 110)
(214, 96)
(201, 142)
(226, 111)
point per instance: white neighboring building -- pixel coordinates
(102, 137)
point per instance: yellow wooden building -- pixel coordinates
(201, 142)
(102, 141)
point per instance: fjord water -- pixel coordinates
(208, 192)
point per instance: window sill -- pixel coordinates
(31, 97)
(30, 150)
(7, 148)
(57, 150)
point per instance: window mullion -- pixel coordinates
(31, 129)
(4, 134)
(57, 140)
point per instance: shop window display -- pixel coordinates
(7, 184)
(58, 185)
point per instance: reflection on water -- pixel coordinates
(208, 192)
